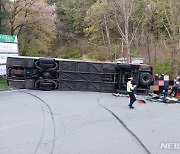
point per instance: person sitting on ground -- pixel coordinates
(166, 87)
(175, 89)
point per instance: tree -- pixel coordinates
(70, 24)
(164, 25)
(38, 31)
(16, 12)
(124, 19)
(3, 18)
(171, 22)
(99, 24)
(73, 12)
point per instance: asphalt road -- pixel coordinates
(58, 122)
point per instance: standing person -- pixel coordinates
(166, 91)
(166, 85)
(130, 90)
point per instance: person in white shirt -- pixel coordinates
(130, 90)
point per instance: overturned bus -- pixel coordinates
(75, 75)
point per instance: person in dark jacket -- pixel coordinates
(166, 88)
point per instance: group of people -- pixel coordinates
(175, 89)
(166, 90)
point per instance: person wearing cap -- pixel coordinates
(130, 90)
(156, 77)
(162, 77)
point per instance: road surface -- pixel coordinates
(59, 122)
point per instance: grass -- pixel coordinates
(3, 84)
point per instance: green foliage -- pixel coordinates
(3, 84)
(160, 21)
(35, 47)
(163, 67)
(72, 12)
(3, 17)
(98, 55)
(139, 14)
(96, 17)
(72, 52)
(51, 1)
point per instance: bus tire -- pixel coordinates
(145, 79)
(46, 63)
